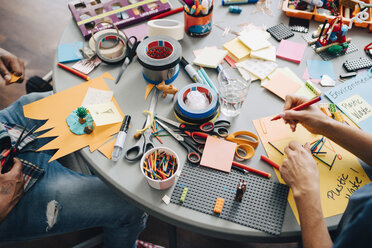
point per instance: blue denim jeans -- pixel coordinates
(64, 201)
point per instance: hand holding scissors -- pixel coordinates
(130, 53)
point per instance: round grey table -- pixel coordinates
(126, 178)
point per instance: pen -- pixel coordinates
(120, 140)
(77, 73)
(171, 12)
(301, 106)
(250, 169)
(191, 71)
(270, 162)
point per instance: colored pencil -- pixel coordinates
(253, 170)
(301, 106)
(270, 162)
(168, 13)
(77, 73)
(275, 148)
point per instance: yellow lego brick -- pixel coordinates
(219, 205)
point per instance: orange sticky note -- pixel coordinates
(218, 154)
(282, 85)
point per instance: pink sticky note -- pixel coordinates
(281, 85)
(218, 154)
(291, 51)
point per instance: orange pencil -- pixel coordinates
(270, 162)
(250, 169)
(301, 106)
(77, 73)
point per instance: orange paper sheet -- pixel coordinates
(218, 154)
(334, 188)
(281, 85)
(107, 148)
(57, 107)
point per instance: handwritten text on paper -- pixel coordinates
(356, 108)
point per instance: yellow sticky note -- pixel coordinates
(268, 53)
(210, 57)
(357, 108)
(105, 113)
(237, 48)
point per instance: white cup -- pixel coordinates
(160, 184)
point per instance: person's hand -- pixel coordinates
(11, 188)
(312, 118)
(11, 64)
(299, 170)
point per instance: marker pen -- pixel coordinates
(191, 71)
(120, 140)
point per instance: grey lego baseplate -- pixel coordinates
(263, 206)
(325, 55)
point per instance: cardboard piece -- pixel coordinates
(69, 52)
(218, 154)
(237, 48)
(291, 51)
(281, 85)
(318, 68)
(56, 108)
(96, 96)
(210, 57)
(107, 148)
(354, 98)
(268, 53)
(334, 197)
(139, 31)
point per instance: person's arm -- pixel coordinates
(10, 64)
(312, 118)
(11, 189)
(299, 171)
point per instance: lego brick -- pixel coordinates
(262, 207)
(280, 32)
(183, 195)
(218, 206)
(357, 64)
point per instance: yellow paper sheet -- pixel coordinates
(237, 48)
(57, 107)
(336, 185)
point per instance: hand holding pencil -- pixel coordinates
(300, 110)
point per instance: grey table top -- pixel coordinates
(129, 93)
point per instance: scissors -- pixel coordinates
(193, 154)
(219, 128)
(6, 158)
(246, 141)
(136, 152)
(130, 53)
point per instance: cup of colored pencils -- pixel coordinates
(159, 165)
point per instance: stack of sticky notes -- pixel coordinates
(210, 57)
(257, 67)
(291, 51)
(283, 81)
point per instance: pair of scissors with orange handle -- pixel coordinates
(246, 141)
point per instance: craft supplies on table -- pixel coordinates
(159, 166)
(291, 51)
(198, 22)
(70, 52)
(73, 71)
(121, 13)
(333, 200)
(159, 56)
(263, 204)
(113, 41)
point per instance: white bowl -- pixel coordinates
(160, 184)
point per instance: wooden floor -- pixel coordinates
(31, 30)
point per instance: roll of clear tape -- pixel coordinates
(114, 40)
(112, 52)
(168, 27)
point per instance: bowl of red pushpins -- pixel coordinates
(159, 165)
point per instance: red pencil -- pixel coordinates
(301, 106)
(171, 12)
(270, 162)
(247, 168)
(77, 73)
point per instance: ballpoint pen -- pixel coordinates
(120, 140)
